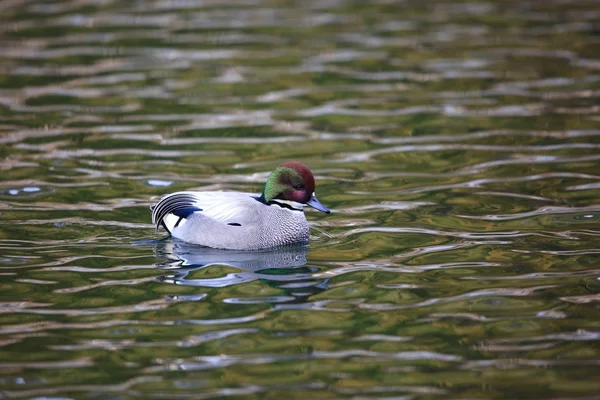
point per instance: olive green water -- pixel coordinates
(457, 143)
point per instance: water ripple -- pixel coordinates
(210, 362)
(190, 341)
(546, 210)
(478, 293)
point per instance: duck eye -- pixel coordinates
(298, 187)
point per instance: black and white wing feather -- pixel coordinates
(181, 204)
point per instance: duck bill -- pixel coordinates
(316, 204)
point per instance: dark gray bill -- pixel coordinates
(316, 204)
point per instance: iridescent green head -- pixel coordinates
(292, 181)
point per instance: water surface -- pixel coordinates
(457, 143)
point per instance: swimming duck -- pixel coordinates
(243, 221)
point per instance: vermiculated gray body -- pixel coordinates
(231, 220)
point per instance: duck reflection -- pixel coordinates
(282, 267)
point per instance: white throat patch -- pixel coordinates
(289, 204)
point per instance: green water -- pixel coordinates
(456, 142)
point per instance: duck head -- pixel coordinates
(293, 181)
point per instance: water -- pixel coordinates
(456, 142)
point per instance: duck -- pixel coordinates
(243, 221)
